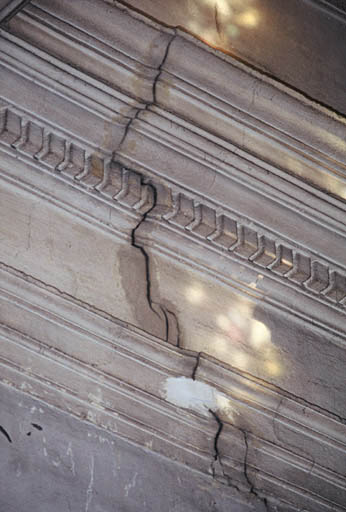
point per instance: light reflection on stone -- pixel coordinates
(223, 321)
(259, 334)
(218, 21)
(194, 294)
(238, 338)
(273, 368)
(248, 18)
(224, 7)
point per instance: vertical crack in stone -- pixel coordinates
(217, 23)
(167, 316)
(216, 440)
(216, 456)
(246, 472)
(154, 100)
(196, 366)
(145, 254)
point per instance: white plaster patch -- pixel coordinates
(195, 395)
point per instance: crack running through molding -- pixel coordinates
(150, 103)
(169, 317)
(167, 314)
(217, 455)
(146, 260)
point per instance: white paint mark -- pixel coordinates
(69, 452)
(56, 463)
(195, 395)
(89, 492)
(130, 485)
(45, 451)
(149, 444)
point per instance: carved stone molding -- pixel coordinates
(97, 172)
(154, 199)
(92, 170)
(261, 250)
(123, 391)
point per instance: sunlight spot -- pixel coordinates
(259, 334)
(273, 368)
(224, 322)
(224, 7)
(193, 26)
(248, 19)
(194, 294)
(342, 192)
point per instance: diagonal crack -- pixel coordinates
(169, 317)
(154, 100)
(217, 461)
(217, 457)
(6, 434)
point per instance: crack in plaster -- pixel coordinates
(220, 424)
(253, 489)
(217, 460)
(154, 100)
(152, 304)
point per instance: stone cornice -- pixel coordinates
(9, 8)
(199, 162)
(123, 391)
(94, 172)
(181, 220)
(257, 116)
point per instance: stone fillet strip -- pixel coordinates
(96, 172)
